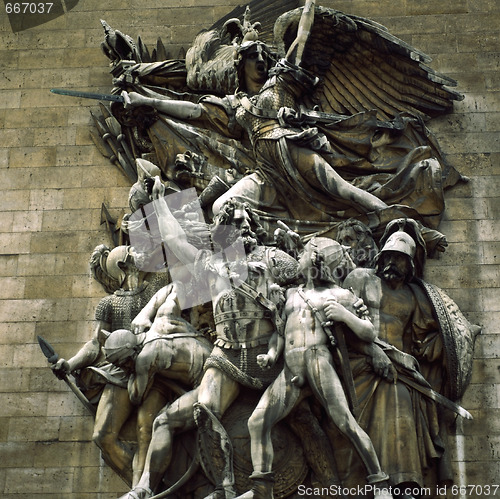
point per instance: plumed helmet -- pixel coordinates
(401, 242)
(117, 255)
(120, 345)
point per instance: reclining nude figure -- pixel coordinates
(308, 359)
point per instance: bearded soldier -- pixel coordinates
(415, 322)
(247, 302)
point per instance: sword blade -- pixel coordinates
(345, 366)
(87, 95)
(437, 397)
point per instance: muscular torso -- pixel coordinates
(240, 321)
(168, 312)
(395, 311)
(303, 328)
(180, 358)
(390, 309)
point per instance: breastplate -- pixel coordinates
(258, 115)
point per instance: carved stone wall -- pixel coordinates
(53, 182)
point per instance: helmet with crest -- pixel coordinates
(214, 60)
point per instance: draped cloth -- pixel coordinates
(406, 428)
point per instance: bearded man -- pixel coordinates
(403, 425)
(247, 301)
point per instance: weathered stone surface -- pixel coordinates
(53, 183)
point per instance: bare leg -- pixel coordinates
(275, 404)
(328, 389)
(322, 176)
(146, 414)
(217, 392)
(112, 412)
(175, 418)
(317, 448)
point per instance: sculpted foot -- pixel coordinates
(138, 493)
(381, 483)
(262, 487)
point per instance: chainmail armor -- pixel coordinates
(259, 114)
(121, 308)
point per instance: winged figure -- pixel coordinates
(368, 97)
(308, 115)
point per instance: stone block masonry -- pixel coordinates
(53, 181)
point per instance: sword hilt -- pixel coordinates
(326, 325)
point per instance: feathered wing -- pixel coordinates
(363, 67)
(210, 64)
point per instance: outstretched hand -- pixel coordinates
(286, 239)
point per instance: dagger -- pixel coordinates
(52, 358)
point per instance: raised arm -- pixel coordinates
(86, 356)
(171, 232)
(296, 50)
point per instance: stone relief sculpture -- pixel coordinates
(311, 310)
(288, 284)
(101, 382)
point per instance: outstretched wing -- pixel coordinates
(363, 67)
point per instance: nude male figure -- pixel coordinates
(170, 349)
(308, 359)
